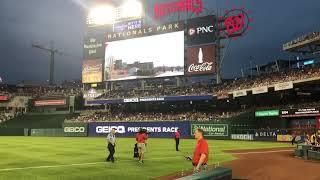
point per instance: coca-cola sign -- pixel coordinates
(200, 67)
(200, 60)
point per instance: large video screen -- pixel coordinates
(146, 57)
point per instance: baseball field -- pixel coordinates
(84, 158)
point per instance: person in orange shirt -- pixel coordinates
(201, 152)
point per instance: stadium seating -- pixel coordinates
(268, 79)
(151, 116)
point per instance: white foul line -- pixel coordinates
(100, 162)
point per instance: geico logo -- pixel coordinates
(74, 129)
(107, 129)
(206, 29)
(131, 100)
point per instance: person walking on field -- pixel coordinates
(141, 139)
(111, 140)
(177, 139)
(201, 152)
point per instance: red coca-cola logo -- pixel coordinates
(206, 66)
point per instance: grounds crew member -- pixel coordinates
(177, 139)
(201, 152)
(141, 138)
(111, 140)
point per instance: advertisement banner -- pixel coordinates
(239, 93)
(92, 71)
(223, 95)
(200, 60)
(75, 129)
(302, 112)
(93, 47)
(267, 113)
(103, 101)
(149, 99)
(145, 31)
(260, 90)
(4, 98)
(187, 98)
(211, 130)
(265, 135)
(247, 137)
(283, 86)
(129, 129)
(127, 25)
(60, 102)
(201, 30)
(284, 138)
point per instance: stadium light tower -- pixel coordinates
(101, 15)
(106, 14)
(52, 52)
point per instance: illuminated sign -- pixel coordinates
(308, 62)
(200, 60)
(267, 113)
(201, 30)
(170, 8)
(127, 26)
(92, 71)
(145, 31)
(50, 102)
(234, 23)
(4, 98)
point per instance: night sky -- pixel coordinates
(24, 22)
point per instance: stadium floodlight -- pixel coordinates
(101, 15)
(132, 8)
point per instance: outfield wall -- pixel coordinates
(161, 129)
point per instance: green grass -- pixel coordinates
(161, 157)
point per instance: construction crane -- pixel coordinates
(52, 52)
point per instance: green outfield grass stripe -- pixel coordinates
(100, 162)
(54, 166)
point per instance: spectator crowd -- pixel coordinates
(5, 117)
(228, 86)
(102, 116)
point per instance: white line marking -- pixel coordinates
(102, 162)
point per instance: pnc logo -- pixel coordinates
(74, 129)
(201, 30)
(192, 31)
